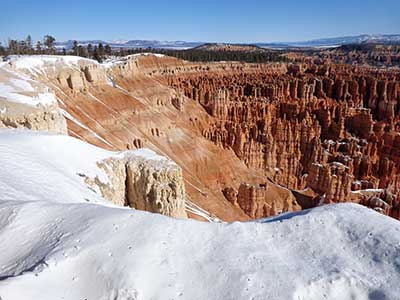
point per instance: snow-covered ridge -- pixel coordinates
(40, 61)
(83, 251)
(43, 166)
(20, 88)
(111, 62)
(37, 63)
(19, 74)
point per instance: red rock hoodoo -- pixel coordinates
(331, 128)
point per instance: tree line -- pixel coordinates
(99, 52)
(17, 47)
(47, 46)
(202, 55)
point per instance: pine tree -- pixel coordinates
(75, 48)
(96, 54)
(13, 46)
(82, 51)
(28, 44)
(64, 52)
(90, 50)
(101, 50)
(107, 50)
(2, 50)
(39, 47)
(49, 43)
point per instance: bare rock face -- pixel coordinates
(255, 201)
(154, 185)
(78, 79)
(115, 189)
(45, 118)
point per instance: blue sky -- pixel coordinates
(203, 20)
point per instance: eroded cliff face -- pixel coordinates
(252, 140)
(128, 107)
(139, 179)
(331, 128)
(153, 184)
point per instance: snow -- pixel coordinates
(149, 155)
(44, 166)
(339, 165)
(369, 192)
(197, 210)
(12, 93)
(35, 62)
(19, 88)
(111, 62)
(85, 251)
(41, 166)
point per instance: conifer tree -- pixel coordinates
(101, 50)
(75, 48)
(107, 50)
(28, 44)
(39, 47)
(49, 43)
(90, 50)
(2, 50)
(96, 54)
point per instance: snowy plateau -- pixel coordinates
(60, 239)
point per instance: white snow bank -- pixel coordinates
(111, 62)
(36, 62)
(81, 251)
(11, 93)
(17, 87)
(43, 166)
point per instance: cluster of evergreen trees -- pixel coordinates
(202, 55)
(47, 46)
(100, 51)
(97, 52)
(26, 47)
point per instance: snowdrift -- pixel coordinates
(74, 251)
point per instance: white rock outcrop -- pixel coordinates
(151, 183)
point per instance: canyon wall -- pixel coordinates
(253, 140)
(331, 128)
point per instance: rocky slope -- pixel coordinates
(252, 140)
(118, 105)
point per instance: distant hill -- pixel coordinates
(230, 47)
(181, 45)
(133, 44)
(338, 41)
